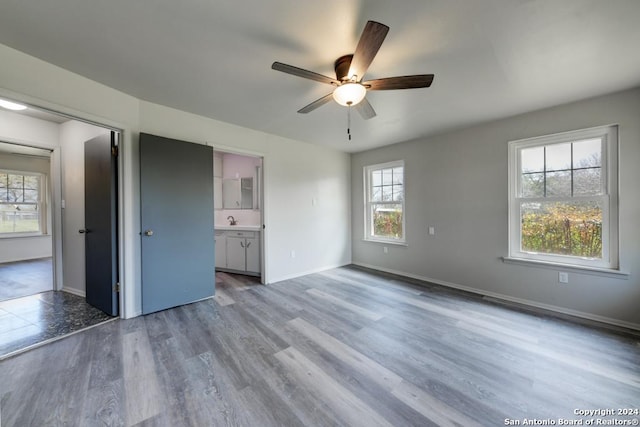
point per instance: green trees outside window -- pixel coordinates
(573, 229)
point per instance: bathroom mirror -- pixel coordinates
(237, 193)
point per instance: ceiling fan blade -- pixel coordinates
(300, 72)
(403, 82)
(365, 109)
(370, 41)
(315, 104)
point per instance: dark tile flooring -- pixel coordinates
(35, 319)
(19, 279)
(31, 313)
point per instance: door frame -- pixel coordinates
(123, 134)
(263, 208)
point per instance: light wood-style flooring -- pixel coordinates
(346, 347)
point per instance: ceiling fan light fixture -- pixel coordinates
(11, 105)
(349, 94)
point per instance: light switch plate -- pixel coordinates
(563, 277)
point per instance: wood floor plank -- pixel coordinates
(358, 361)
(346, 305)
(104, 405)
(143, 397)
(346, 405)
(223, 298)
(434, 409)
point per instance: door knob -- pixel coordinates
(148, 232)
(83, 231)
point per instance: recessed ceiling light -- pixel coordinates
(12, 105)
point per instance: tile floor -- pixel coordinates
(32, 320)
(32, 313)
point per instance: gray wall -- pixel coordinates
(457, 183)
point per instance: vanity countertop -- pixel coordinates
(238, 227)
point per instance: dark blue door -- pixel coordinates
(177, 216)
(100, 220)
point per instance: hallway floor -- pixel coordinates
(22, 278)
(39, 318)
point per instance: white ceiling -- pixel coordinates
(491, 58)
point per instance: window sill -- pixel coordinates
(386, 242)
(21, 235)
(595, 271)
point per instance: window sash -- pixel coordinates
(608, 198)
(604, 261)
(39, 205)
(603, 164)
(370, 203)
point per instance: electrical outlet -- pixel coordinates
(293, 254)
(563, 277)
(432, 231)
(385, 250)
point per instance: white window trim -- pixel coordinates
(610, 239)
(42, 205)
(368, 236)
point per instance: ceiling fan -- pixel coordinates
(350, 87)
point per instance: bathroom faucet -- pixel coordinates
(232, 220)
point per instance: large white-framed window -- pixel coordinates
(384, 202)
(563, 198)
(22, 204)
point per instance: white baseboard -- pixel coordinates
(73, 291)
(503, 297)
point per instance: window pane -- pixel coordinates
(398, 176)
(387, 221)
(15, 181)
(19, 219)
(398, 193)
(3, 180)
(14, 195)
(587, 153)
(532, 159)
(558, 157)
(532, 185)
(31, 196)
(559, 183)
(587, 182)
(562, 228)
(387, 176)
(376, 178)
(387, 193)
(376, 194)
(31, 182)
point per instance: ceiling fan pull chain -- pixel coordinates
(349, 122)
